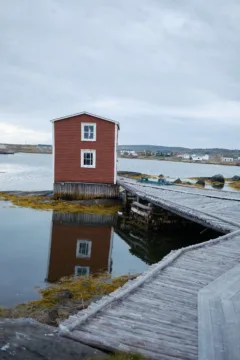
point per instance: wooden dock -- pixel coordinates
(215, 209)
(186, 306)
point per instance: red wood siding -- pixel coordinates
(68, 146)
(63, 249)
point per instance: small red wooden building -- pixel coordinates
(85, 157)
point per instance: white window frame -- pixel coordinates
(87, 268)
(94, 134)
(86, 151)
(78, 254)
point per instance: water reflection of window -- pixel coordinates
(82, 270)
(83, 249)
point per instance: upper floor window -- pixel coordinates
(88, 131)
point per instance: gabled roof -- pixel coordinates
(86, 113)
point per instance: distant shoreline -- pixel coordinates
(180, 161)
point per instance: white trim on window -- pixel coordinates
(88, 161)
(88, 132)
(115, 153)
(82, 270)
(83, 249)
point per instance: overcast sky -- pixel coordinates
(167, 70)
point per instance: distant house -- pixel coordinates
(186, 157)
(200, 157)
(227, 159)
(129, 153)
(205, 157)
(196, 157)
(85, 157)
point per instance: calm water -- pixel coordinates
(34, 171)
(39, 247)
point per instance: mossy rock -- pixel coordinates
(201, 182)
(218, 179)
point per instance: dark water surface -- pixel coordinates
(38, 247)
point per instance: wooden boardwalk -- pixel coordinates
(186, 306)
(211, 208)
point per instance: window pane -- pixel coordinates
(88, 158)
(88, 132)
(83, 248)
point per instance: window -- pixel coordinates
(82, 270)
(83, 249)
(88, 158)
(88, 131)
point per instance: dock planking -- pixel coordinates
(211, 208)
(180, 307)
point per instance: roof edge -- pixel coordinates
(86, 113)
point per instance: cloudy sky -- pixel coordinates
(167, 70)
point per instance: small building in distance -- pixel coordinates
(200, 157)
(85, 157)
(129, 153)
(227, 159)
(206, 157)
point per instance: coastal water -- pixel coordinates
(34, 171)
(39, 247)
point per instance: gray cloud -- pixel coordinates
(167, 70)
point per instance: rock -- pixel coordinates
(161, 176)
(178, 181)
(236, 178)
(201, 182)
(64, 295)
(218, 179)
(26, 339)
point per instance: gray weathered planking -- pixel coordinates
(211, 208)
(186, 306)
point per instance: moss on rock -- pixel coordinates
(53, 308)
(46, 204)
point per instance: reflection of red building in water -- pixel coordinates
(80, 244)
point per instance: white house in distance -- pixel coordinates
(200, 157)
(130, 153)
(227, 159)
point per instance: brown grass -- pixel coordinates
(235, 185)
(46, 204)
